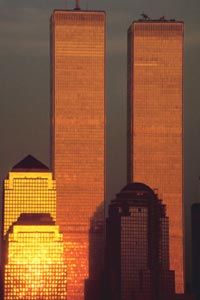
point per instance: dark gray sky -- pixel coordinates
(25, 73)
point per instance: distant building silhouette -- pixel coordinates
(34, 260)
(94, 283)
(195, 217)
(185, 297)
(137, 247)
(29, 188)
(155, 121)
(78, 131)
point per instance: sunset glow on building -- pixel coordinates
(155, 121)
(78, 137)
(29, 188)
(34, 266)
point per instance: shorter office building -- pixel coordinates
(28, 188)
(33, 257)
(137, 247)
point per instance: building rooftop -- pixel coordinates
(136, 193)
(146, 18)
(30, 164)
(32, 219)
(55, 11)
(35, 219)
(138, 188)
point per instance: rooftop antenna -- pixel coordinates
(162, 18)
(77, 5)
(145, 17)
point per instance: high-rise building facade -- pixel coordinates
(155, 121)
(78, 135)
(34, 260)
(29, 188)
(137, 243)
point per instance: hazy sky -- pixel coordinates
(25, 73)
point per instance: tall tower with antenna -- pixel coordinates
(155, 121)
(77, 4)
(78, 132)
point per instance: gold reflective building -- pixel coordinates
(29, 188)
(34, 266)
(155, 102)
(78, 138)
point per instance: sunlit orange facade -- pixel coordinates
(35, 266)
(78, 137)
(28, 190)
(155, 122)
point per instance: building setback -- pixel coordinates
(78, 135)
(155, 121)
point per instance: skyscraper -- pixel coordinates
(29, 188)
(155, 121)
(78, 137)
(137, 242)
(34, 261)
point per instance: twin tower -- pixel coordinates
(155, 127)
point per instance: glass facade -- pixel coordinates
(78, 137)
(28, 192)
(35, 265)
(155, 122)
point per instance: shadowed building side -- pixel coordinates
(155, 121)
(78, 134)
(94, 283)
(137, 247)
(195, 218)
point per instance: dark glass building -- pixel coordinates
(137, 247)
(94, 283)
